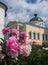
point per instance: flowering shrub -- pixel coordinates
(14, 47)
(16, 51)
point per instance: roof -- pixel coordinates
(14, 22)
(11, 23)
(36, 18)
(3, 6)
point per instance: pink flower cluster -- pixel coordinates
(33, 42)
(5, 30)
(14, 31)
(25, 49)
(22, 37)
(13, 46)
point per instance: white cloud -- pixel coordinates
(38, 1)
(20, 9)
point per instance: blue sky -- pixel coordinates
(23, 10)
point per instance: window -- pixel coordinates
(43, 37)
(38, 36)
(21, 29)
(34, 35)
(30, 35)
(46, 36)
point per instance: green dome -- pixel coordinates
(36, 18)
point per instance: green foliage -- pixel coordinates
(37, 57)
(3, 44)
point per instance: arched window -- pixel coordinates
(34, 35)
(38, 36)
(46, 36)
(30, 35)
(43, 37)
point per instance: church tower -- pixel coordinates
(36, 20)
(3, 9)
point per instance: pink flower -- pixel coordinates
(5, 30)
(25, 49)
(30, 42)
(14, 31)
(22, 37)
(13, 46)
(34, 42)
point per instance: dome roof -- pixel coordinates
(36, 18)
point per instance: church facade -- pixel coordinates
(34, 29)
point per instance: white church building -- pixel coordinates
(3, 9)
